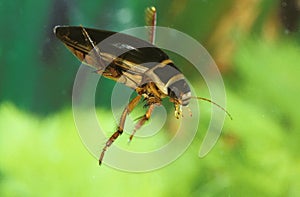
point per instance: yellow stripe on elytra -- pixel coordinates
(174, 79)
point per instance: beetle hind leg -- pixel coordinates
(150, 19)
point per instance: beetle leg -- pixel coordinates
(150, 19)
(142, 120)
(178, 110)
(114, 136)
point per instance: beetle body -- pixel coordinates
(134, 62)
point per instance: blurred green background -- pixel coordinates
(255, 43)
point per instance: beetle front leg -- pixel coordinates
(114, 136)
(142, 120)
(178, 110)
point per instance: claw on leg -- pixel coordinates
(108, 143)
(116, 134)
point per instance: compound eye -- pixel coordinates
(185, 98)
(174, 92)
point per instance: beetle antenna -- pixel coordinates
(208, 100)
